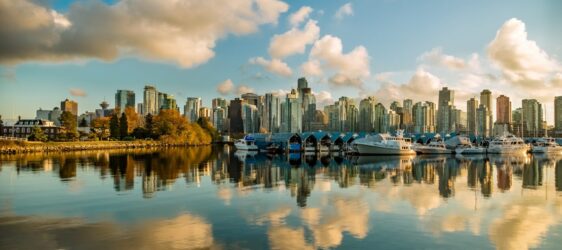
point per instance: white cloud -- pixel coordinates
(521, 60)
(422, 86)
(299, 16)
(243, 89)
(324, 98)
(225, 87)
(311, 68)
(350, 69)
(77, 92)
(180, 32)
(436, 57)
(294, 41)
(344, 10)
(275, 66)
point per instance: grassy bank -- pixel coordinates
(14, 147)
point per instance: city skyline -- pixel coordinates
(371, 62)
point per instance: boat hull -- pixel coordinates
(245, 147)
(547, 150)
(370, 149)
(470, 151)
(507, 150)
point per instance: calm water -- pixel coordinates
(214, 198)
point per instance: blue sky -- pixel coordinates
(395, 35)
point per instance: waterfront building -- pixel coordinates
(407, 121)
(140, 109)
(70, 106)
(251, 98)
(191, 108)
(150, 100)
(271, 113)
(444, 110)
(219, 118)
(24, 127)
(352, 114)
(483, 121)
(366, 120)
(291, 113)
(393, 120)
(308, 107)
(124, 99)
(219, 102)
(504, 115)
(423, 116)
(486, 100)
(558, 116)
(532, 117)
(320, 121)
(205, 112)
(236, 124)
(517, 117)
(471, 118)
(250, 118)
(381, 123)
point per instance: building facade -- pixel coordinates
(124, 99)
(150, 100)
(70, 106)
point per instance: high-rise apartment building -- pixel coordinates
(191, 108)
(504, 115)
(558, 116)
(150, 100)
(423, 116)
(381, 123)
(444, 110)
(70, 106)
(532, 117)
(291, 113)
(236, 124)
(272, 113)
(483, 121)
(486, 100)
(367, 114)
(471, 117)
(124, 99)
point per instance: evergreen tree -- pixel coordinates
(83, 123)
(37, 134)
(123, 126)
(114, 127)
(69, 121)
(149, 125)
(1, 126)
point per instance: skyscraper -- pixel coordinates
(558, 115)
(471, 118)
(504, 116)
(70, 106)
(407, 122)
(367, 114)
(219, 118)
(486, 100)
(150, 100)
(124, 99)
(291, 113)
(532, 117)
(271, 115)
(483, 121)
(423, 116)
(236, 124)
(308, 107)
(219, 102)
(191, 108)
(381, 125)
(352, 117)
(250, 118)
(445, 107)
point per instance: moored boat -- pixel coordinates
(247, 143)
(546, 145)
(384, 144)
(508, 144)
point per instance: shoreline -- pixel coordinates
(10, 147)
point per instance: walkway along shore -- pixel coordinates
(10, 147)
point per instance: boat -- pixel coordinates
(384, 144)
(247, 143)
(436, 146)
(470, 149)
(507, 144)
(546, 145)
(273, 148)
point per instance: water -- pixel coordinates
(212, 198)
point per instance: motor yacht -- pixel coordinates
(247, 143)
(384, 144)
(508, 144)
(546, 145)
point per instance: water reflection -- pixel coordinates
(332, 198)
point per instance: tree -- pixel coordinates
(133, 119)
(83, 123)
(37, 134)
(123, 126)
(68, 121)
(114, 127)
(208, 126)
(149, 125)
(100, 126)
(1, 126)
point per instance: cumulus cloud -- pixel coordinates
(300, 15)
(324, 98)
(437, 57)
(77, 92)
(311, 68)
(225, 87)
(275, 66)
(294, 41)
(243, 89)
(422, 86)
(521, 60)
(181, 32)
(344, 10)
(350, 69)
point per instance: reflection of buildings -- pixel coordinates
(485, 176)
(532, 175)
(504, 178)
(123, 172)
(558, 175)
(447, 173)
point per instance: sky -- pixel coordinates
(390, 49)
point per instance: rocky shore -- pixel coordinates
(36, 147)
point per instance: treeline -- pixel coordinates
(168, 126)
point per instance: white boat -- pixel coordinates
(247, 143)
(470, 150)
(384, 144)
(546, 145)
(508, 144)
(309, 147)
(433, 147)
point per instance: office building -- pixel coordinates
(69, 106)
(271, 113)
(504, 116)
(250, 118)
(381, 123)
(291, 113)
(191, 108)
(486, 101)
(483, 121)
(471, 118)
(236, 124)
(150, 100)
(558, 116)
(124, 99)
(444, 109)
